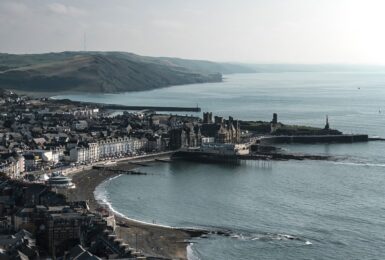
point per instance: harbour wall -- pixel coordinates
(309, 139)
(126, 107)
(155, 108)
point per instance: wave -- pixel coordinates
(270, 237)
(191, 253)
(101, 197)
(100, 194)
(361, 164)
(245, 235)
(265, 237)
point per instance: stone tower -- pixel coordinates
(274, 123)
(207, 118)
(327, 127)
(275, 119)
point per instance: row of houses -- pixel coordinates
(14, 163)
(112, 147)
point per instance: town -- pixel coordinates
(46, 135)
(42, 141)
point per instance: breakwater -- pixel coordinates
(284, 156)
(138, 108)
(121, 169)
(155, 108)
(309, 139)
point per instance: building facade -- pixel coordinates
(12, 164)
(110, 147)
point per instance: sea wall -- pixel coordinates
(309, 139)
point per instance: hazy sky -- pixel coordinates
(290, 31)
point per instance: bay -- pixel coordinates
(281, 210)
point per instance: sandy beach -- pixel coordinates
(162, 242)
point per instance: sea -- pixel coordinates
(281, 209)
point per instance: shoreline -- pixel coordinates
(53, 94)
(151, 239)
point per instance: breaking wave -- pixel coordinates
(361, 164)
(270, 237)
(191, 255)
(101, 196)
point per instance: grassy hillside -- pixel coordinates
(105, 72)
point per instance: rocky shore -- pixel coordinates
(152, 240)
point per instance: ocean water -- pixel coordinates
(351, 99)
(278, 210)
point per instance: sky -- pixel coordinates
(254, 31)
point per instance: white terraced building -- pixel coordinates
(107, 148)
(13, 166)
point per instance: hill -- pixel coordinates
(104, 72)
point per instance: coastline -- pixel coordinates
(53, 94)
(152, 240)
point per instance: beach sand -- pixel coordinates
(151, 240)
